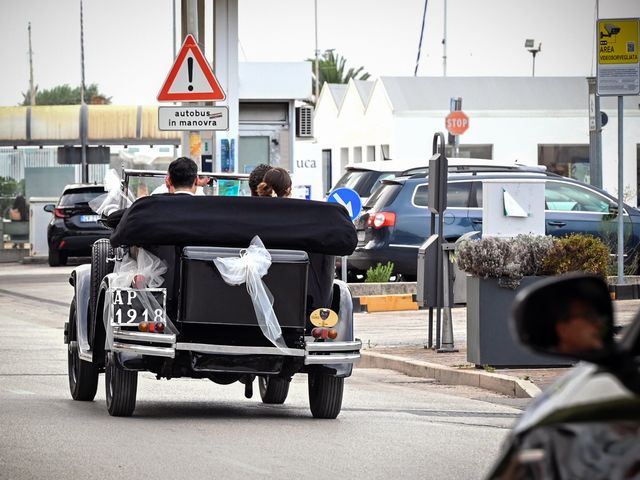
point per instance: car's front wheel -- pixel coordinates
(121, 388)
(273, 390)
(83, 376)
(325, 395)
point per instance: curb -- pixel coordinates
(388, 303)
(504, 384)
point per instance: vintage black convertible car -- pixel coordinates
(192, 322)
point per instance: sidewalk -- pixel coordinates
(396, 340)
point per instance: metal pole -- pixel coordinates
(447, 324)
(444, 42)
(191, 25)
(317, 53)
(424, 16)
(344, 268)
(32, 96)
(595, 135)
(83, 118)
(173, 2)
(430, 333)
(533, 73)
(620, 194)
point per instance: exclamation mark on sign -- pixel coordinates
(190, 69)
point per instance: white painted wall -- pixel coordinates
(515, 135)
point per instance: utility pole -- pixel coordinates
(444, 42)
(32, 94)
(317, 53)
(192, 24)
(83, 106)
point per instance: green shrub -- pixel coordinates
(380, 273)
(577, 252)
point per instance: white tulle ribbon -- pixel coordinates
(249, 268)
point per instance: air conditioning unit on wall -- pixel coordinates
(304, 121)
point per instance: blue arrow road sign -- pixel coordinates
(349, 199)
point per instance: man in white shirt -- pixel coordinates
(182, 177)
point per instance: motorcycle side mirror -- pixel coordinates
(567, 316)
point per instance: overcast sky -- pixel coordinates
(129, 49)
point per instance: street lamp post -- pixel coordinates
(317, 53)
(529, 45)
(83, 107)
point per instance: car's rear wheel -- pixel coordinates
(121, 388)
(57, 258)
(83, 376)
(100, 252)
(325, 394)
(273, 390)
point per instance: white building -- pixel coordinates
(534, 120)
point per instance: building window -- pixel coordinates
(384, 150)
(468, 150)
(371, 153)
(344, 159)
(326, 170)
(567, 160)
(357, 154)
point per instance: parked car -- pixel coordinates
(365, 178)
(395, 220)
(587, 424)
(74, 226)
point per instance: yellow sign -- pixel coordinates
(618, 65)
(617, 41)
(324, 317)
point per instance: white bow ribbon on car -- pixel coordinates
(253, 264)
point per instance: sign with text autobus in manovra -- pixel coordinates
(618, 61)
(191, 118)
(457, 122)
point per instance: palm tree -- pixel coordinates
(332, 69)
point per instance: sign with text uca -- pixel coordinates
(457, 122)
(193, 118)
(618, 64)
(191, 78)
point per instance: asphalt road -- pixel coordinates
(391, 426)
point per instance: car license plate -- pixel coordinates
(361, 234)
(134, 305)
(88, 218)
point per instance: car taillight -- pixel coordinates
(381, 219)
(59, 213)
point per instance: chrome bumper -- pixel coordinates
(165, 345)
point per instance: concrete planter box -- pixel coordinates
(489, 337)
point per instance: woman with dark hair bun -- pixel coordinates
(275, 183)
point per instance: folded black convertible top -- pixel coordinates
(287, 223)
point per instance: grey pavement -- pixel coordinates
(404, 334)
(391, 426)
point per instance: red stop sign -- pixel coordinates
(457, 123)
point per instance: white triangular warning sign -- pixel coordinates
(190, 78)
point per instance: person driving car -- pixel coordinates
(183, 169)
(182, 176)
(580, 329)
